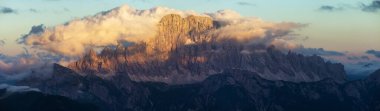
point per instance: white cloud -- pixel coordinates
(127, 24)
(22, 65)
(103, 29)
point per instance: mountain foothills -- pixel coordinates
(188, 67)
(37, 101)
(232, 89)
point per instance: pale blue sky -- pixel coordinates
(349, 29)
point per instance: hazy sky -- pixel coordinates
(339, 25)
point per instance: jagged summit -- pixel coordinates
(184, 51)
(91, 55)
(175, 31)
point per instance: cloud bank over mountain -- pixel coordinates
(126, 24)
(106, 28)
(66, 42)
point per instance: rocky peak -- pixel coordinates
(92, 56)
(120, 48)
(175, 31)
(174, 23)
(106, 51)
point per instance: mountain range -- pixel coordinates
(187, 67)
(228, 91)
(184, 51)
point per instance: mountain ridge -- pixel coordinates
(244, 89)
(186, 51)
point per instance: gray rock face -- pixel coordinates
(185, 52)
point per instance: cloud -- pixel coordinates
(365, 57)
(53, 0)
(28, 63)
(245, 4)
(33, 10)
(9, 89)
(18, 64)
(103, 29)
(329, 8)
(253, 30)
(358, 58)
(373, 7)
(317, 51)
(7, 10)
(2, 43)
(66, 9)
(361, 68)
(25, 65)
(37, 29)
(367, 65)
(128, 24)
(67, 42)
(355, 63)
(374, 52)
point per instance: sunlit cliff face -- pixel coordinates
(175, 31)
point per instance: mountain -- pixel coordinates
(233, 89)
(186, 67)
(186, 51)
(375, 76)
(30, 100)
(241, 90)
(109, 94)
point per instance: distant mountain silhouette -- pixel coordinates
(37, 101)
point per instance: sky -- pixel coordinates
(346, 28)
(351, 27)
